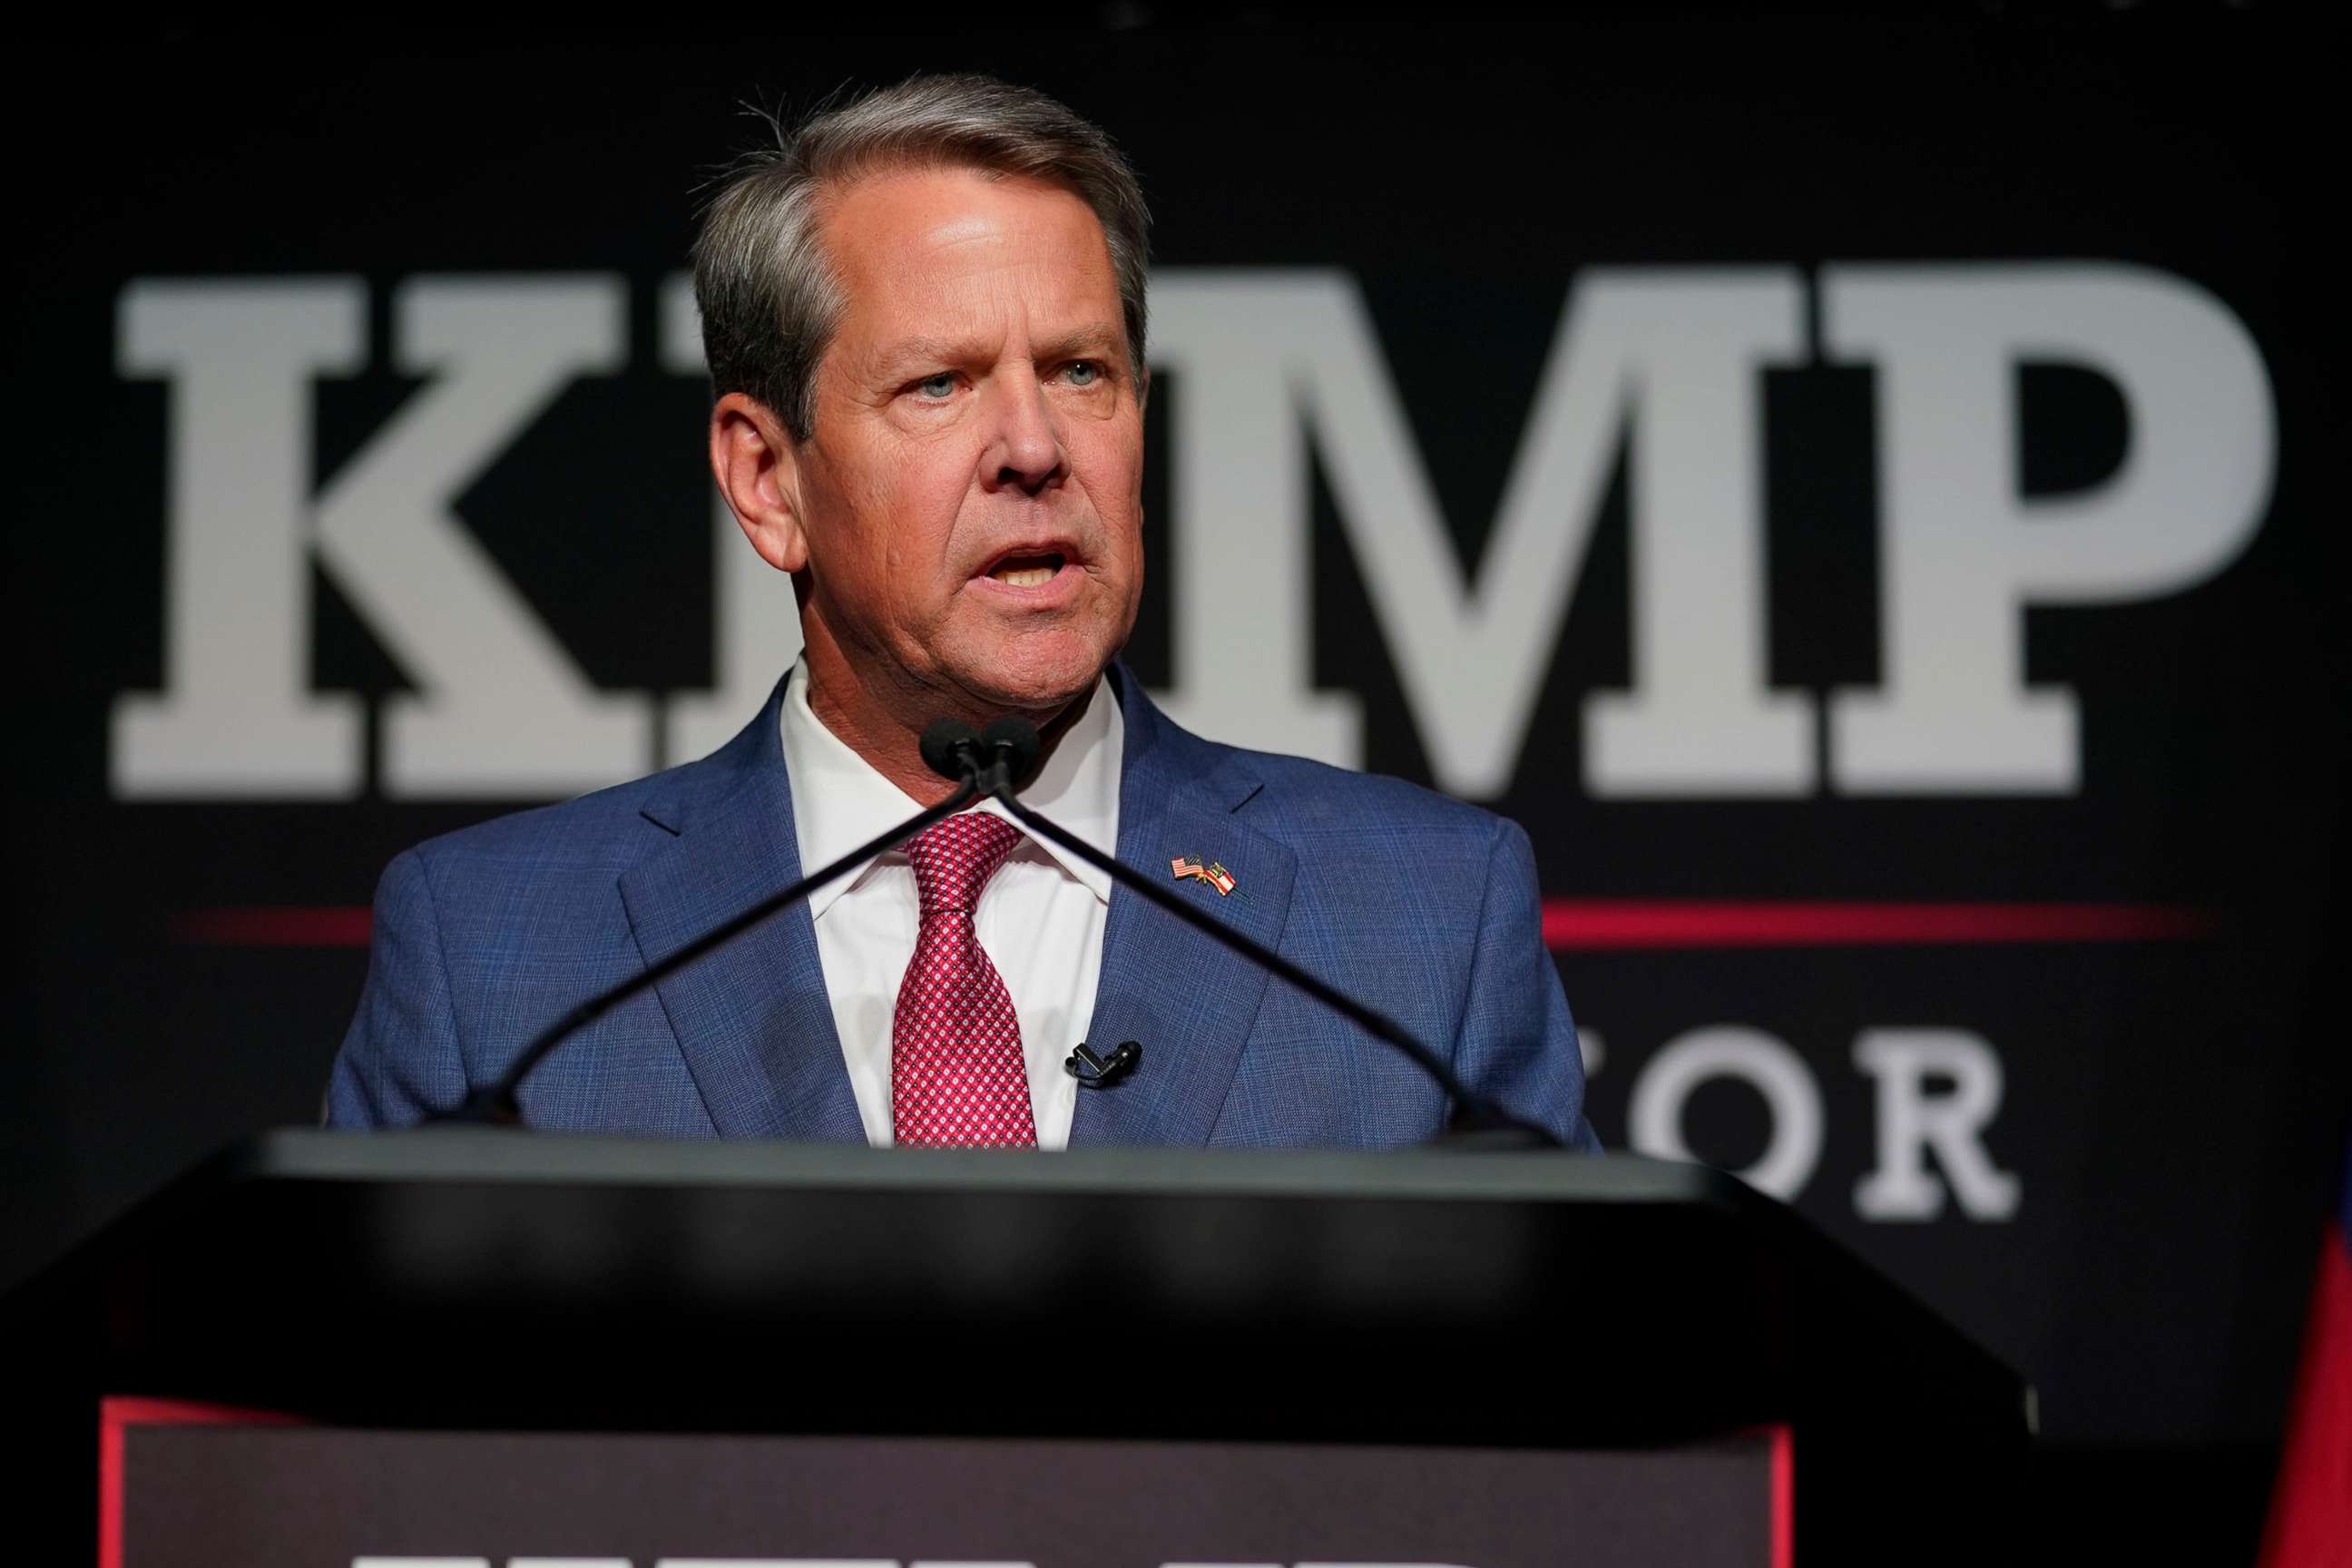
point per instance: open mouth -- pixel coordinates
(1028, 571)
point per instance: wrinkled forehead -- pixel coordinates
(938, 250)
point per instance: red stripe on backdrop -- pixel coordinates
(1571, 925)
(2311, 1505)
(1568, 924)
(330, 925)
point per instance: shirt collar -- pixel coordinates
(840, 801)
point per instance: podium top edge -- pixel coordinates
(473, 1155)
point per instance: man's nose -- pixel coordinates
(1026, 454)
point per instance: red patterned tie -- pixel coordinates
(957, 1072)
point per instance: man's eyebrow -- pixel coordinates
(1094, 338)
(907, 354)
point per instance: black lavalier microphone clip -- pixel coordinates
(1100, 1072)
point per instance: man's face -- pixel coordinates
(972, 492)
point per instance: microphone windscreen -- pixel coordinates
(1014, 740)
(945, 747)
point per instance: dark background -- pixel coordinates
(2174, 1111)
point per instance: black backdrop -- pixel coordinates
(2173, 1086)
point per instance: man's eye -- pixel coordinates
(937, 386)
(1083, 373)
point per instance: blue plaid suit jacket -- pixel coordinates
(1421, 906)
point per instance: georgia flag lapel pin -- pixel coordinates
(1215, 875)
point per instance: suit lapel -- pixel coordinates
(752, 1019)
(1187, 1000)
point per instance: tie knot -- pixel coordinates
(954, 860)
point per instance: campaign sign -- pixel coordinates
(186, 1489)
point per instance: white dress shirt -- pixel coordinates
(1040, 919)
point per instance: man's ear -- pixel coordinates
(757, 469)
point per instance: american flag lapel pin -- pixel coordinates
(1212, 873)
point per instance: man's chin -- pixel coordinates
(1039, 676)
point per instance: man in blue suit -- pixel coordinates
(924, 315)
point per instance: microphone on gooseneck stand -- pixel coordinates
(497, 1104)
(999, 761)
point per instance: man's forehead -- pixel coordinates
(902, 214)
(962, 228)
(930, 260)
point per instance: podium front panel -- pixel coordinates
(194, 1495)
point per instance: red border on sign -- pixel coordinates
(1780, 1488)
(115, 1414)
(1784, 1498)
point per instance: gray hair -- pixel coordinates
(769, 298)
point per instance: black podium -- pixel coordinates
(1518, 1348)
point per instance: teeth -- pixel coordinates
(1023, 577)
